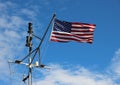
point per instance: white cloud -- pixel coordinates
(80, 76)
(11, 22)
(5, 6)
(10, 35)
(115, 65)
(10, 45)
(13, 26)
(29, 13)
(116, 62)
(83, 76)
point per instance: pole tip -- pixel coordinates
(30, 23)
(54, 14)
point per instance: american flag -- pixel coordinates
(72, 31)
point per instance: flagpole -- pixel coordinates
(54, 15)
(52, 25)
(42, 39)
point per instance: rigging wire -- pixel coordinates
(18, 76)
(42, 39)
(39, 57)
(15, 76)
(34, 76)
(10, 73)
(29, 54)
(24, 75)
(47, 42)
(46, 45)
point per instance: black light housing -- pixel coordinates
(30, 27)
(18, 61)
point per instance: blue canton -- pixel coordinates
(62, 26)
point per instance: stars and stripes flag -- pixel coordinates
(64, 31)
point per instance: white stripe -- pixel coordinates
(64, 40)
(82, 33)
(68, 36)
(78, 39)
(76, 25)
(71, 37)
(62, 36)
(61, 32)
(81, 29)
(72, 32)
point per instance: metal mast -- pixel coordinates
(31, 57)
(29, 45)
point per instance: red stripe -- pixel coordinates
(66, 37)
(84, 34)
(71, 38)
(82, 30)
(79, 23)
(83, 27)
(57, 40)
(66, 34)
(75, 35)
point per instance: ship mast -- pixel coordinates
(29, 45)
(32, 53)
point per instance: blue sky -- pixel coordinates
(71, 63)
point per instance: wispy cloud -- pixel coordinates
(11, 34)
(11, 42)
(116, 63)
(28, 13)
(10, 30)
(114, 68)
(82, 76)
